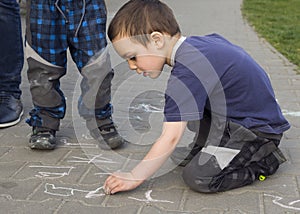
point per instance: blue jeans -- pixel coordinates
(11, 48)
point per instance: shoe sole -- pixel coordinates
(12, 123)
(41, 146)
(42, 143)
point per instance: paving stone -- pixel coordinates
(25, 154)
(32, 207)
(293, 134)
(290, 143)
(281, 183)
(278, 204)
(18, 190)
(8, 169)
(172, 179)
(78, 207)
(153, 209)
(166, 200)
(247, 202)
(294, 155)
(18, 137)
(65, 173)
(4, 150)
(96, 175)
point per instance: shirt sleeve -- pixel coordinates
(185, 97)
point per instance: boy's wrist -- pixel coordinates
(137, 176)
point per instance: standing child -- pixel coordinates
(80, 26)
(213, 83)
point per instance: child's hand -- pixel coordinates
(120, 181)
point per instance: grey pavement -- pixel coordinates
(70, 178)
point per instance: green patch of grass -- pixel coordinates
(278, 21)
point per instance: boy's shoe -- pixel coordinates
(42, 138)
(181, 156)
(11, 110)
(108, 136)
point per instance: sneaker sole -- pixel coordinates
(41, 146)
(12, 123)
(42, 143)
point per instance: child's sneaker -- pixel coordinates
(107, 135)
(42, 138)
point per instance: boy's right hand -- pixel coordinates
(121, 181)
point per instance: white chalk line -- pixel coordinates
(95, 159)
(291, 113)
(82, 145)
(150, 199)
(50, 189)
(289, 206)
(52, 175)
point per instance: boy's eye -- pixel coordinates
(132, 58)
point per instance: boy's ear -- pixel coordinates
(158, 39)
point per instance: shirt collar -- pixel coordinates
(175, 48)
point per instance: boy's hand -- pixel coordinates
(120, 181)
(155, 158)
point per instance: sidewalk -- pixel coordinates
(70, 178)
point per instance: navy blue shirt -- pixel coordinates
(211, 73)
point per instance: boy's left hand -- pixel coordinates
(120, 181)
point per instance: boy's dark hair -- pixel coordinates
(139, 18)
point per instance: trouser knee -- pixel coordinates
(199, 173)
(96, 85)
(198, 184)
(44, 83)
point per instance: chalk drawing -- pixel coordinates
(8, 197)
(94, 159)
(102, 174)
(51, 189)
(53, 175)
(291, 113)
(85, 146)
(87, 137)
(150, 199)
(290, 205)
(81, 145)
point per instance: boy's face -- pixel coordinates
(148, 61)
